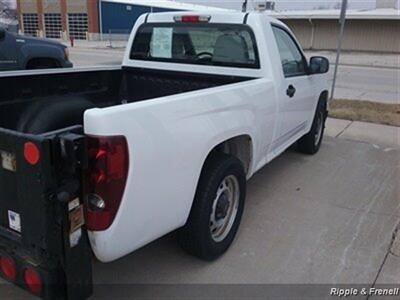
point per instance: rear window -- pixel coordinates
(200, 44)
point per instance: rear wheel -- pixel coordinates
(311, 142)
(217, 208)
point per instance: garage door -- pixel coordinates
(53, 25)
(78, 26)
(30, 24)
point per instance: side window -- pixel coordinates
(293, 62)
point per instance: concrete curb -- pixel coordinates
(376, 134)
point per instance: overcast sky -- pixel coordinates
(288, 4)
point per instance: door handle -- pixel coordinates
(291, 90)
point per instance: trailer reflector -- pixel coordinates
(7, 266)
(31, 153)
(33, 280)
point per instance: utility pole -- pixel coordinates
(244, 6)
(342, 21)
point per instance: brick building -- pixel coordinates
(88, 19)
(58, 18)
(366, 30)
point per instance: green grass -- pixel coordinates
(366, 111)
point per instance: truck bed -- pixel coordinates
(103, 87)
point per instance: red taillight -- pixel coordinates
(107, 174)
(192, 19)
(7, 266)
(31, 153)
(33, 280)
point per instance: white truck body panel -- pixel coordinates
(169, 138)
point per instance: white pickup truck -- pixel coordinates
(114, 158)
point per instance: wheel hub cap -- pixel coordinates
(222, 206)
(320, 124)
(225, 208)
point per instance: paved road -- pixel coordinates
(368, 83)
(360, 83)
(92, 57)
(327, 218)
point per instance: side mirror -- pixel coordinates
(2, 33)
(319, 65)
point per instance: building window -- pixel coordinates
(78, 26)
(30, 24)
(53, 25)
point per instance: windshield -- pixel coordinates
(203, 44)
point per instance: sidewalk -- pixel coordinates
(99, 45)
(376, 134)
(365, 59)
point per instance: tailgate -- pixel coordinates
(43, 244)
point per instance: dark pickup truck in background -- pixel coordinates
(25, 53)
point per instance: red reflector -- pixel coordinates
(7, 266)
(31, 153)
(32, 280)
(106, 179)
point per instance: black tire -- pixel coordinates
(311, 142)
(195, 237)
(42, 63)
(52, 114)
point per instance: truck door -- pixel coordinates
(296, 89)
(8, 55)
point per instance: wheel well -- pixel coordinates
(324, 96)
(42, 61)
(240, 146)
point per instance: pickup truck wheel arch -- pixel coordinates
(240, 147)
(53, 114)
(311, 142)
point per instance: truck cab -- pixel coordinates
(23, 53)
(8, 51)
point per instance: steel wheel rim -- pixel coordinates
(318, 134)
(226, 198)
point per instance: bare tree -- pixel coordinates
(8, 15)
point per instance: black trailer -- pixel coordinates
(44, 246)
